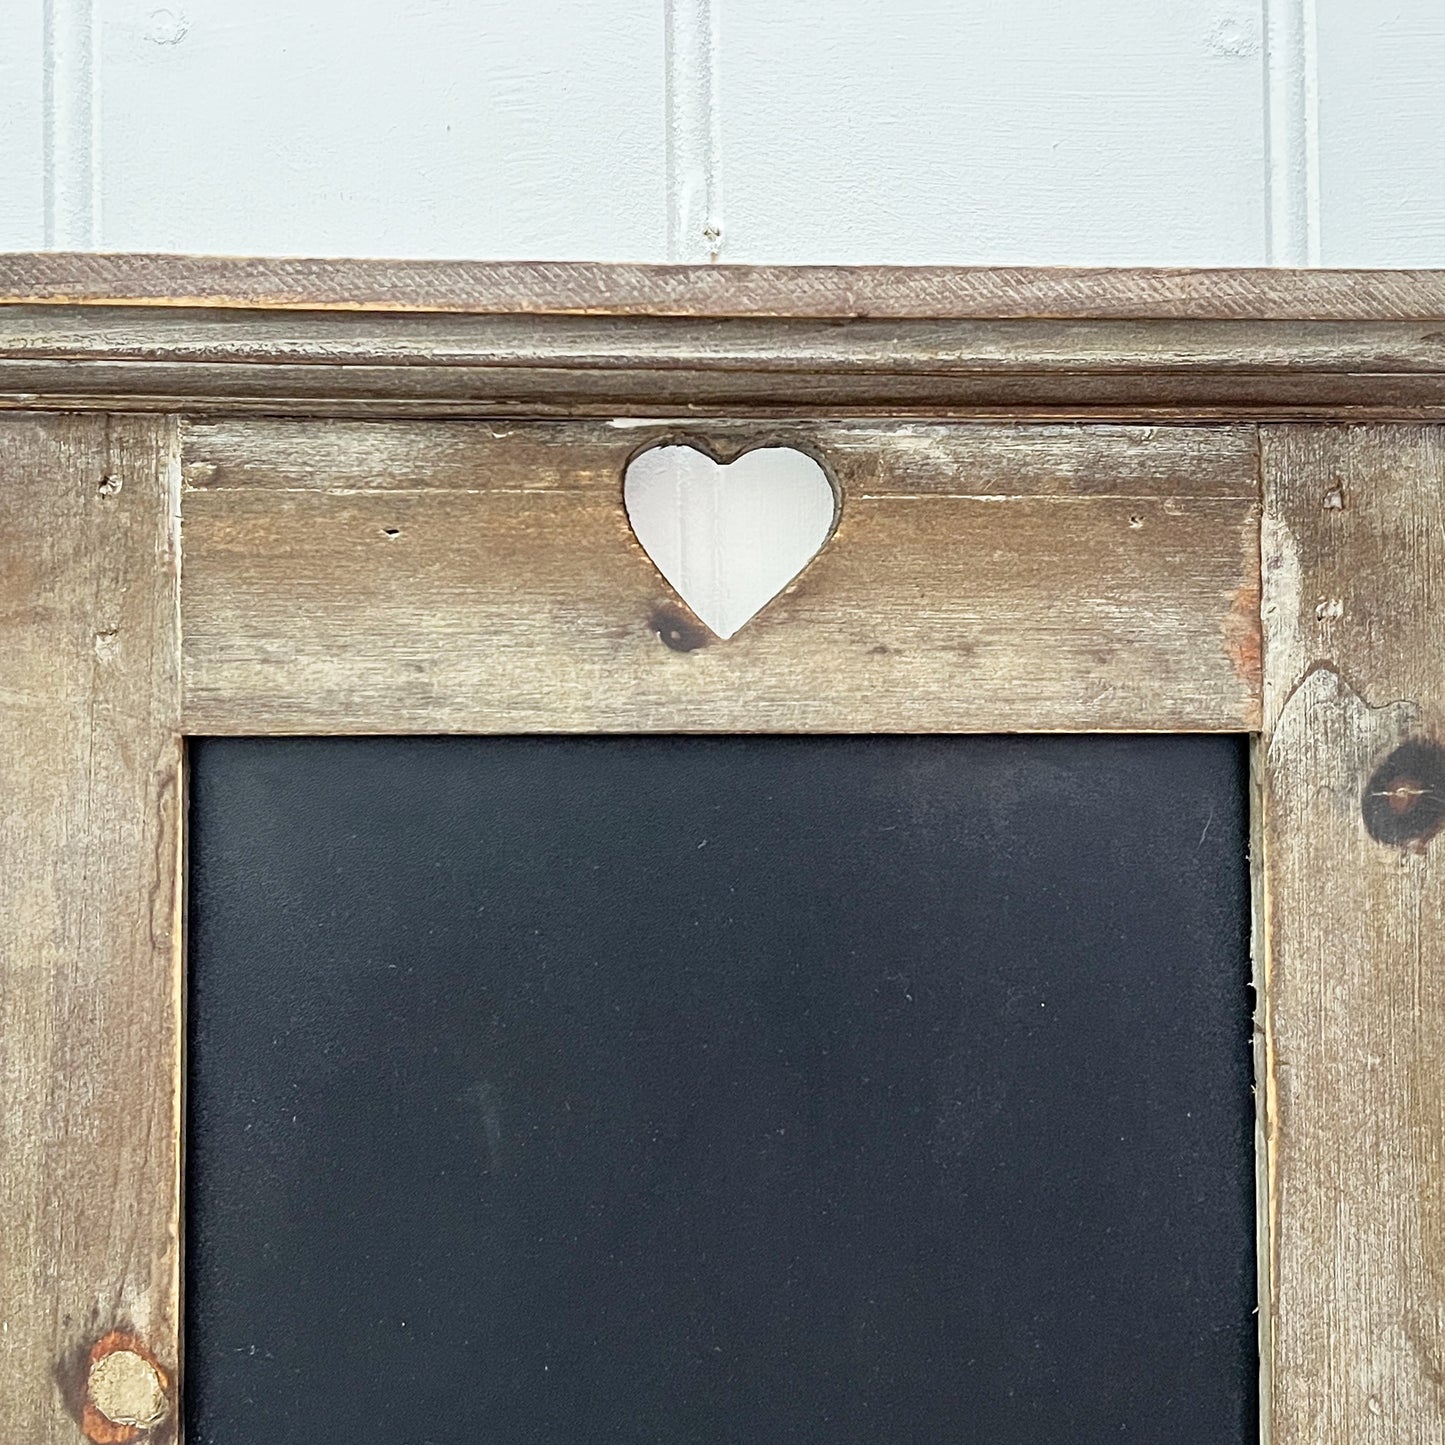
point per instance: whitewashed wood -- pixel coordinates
(22, 131)
(90, 929)
(357, 362)
(382, 127)
(782, 347)
(1381, 119)
(968, 131)
(989, 460)
(997, 460)
(1350, 932)
(990, 579)
(517, 289)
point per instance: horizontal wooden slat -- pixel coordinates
(820, 291)
(1220, 461)
(390, 577)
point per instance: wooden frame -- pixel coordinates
(305, 497)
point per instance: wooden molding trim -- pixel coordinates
(494, 339)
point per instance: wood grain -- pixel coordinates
(981, 460)
(1352, 921)
(553, 288)
(90, 968)
(728, 344)
(463, 393)
(979, 579)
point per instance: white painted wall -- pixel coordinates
(1167, 132)
(1149, 131)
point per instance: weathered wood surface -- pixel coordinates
(810, 347)
(396, 364)
(89, 931)
(463, 393)
(409, 577)
(986, 292)
(1353, 925)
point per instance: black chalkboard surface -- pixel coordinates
(745, 1090)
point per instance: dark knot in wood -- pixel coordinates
(1404, 801)
(679, 629)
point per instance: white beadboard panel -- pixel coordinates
(1108, 132)
(22, 132)
(729, 537)
(1381, 119)
(415, 128)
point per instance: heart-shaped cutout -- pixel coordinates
(729, 537)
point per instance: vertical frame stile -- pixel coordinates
(90, 934)
(1352, 794)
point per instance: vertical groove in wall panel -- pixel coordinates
(69, 121)
(1311, 126)
(1292, 108)
(694, 223)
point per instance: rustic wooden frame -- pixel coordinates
(275, 496)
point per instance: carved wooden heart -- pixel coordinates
(729, 537)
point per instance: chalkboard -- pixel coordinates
(681, 1090)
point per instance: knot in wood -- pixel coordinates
(1404, 802)
(678, 630)
(127, 1389)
